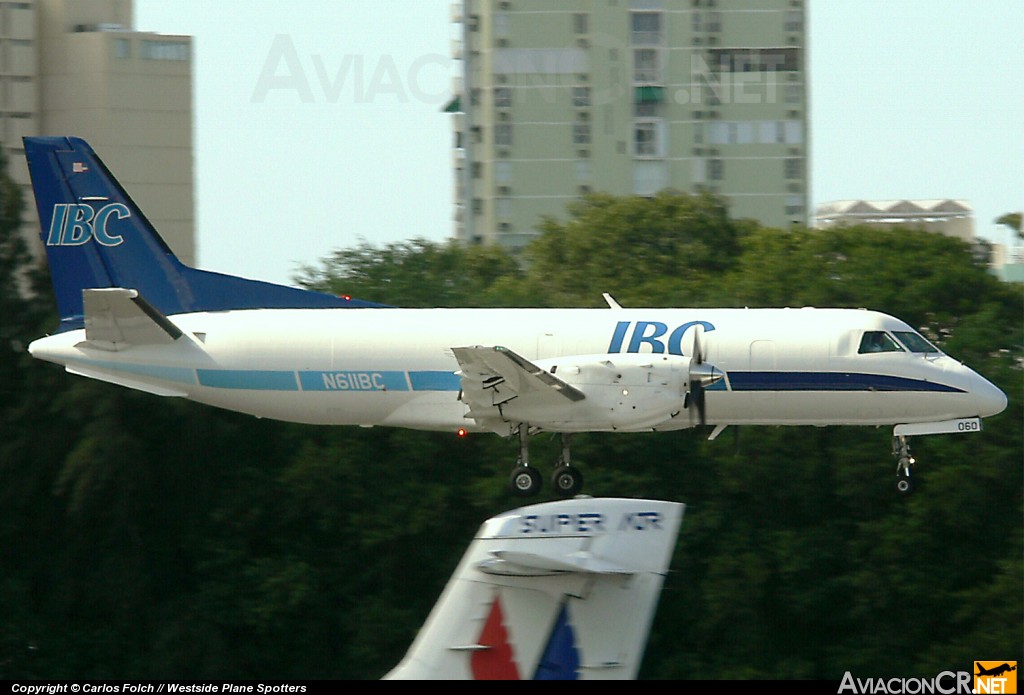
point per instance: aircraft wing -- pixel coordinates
(116, 318)
(493, 375)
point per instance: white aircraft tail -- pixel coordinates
(562, 590)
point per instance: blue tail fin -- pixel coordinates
(96, 236)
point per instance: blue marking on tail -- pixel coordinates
(561, 659)
(96, 236)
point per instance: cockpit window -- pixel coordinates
(878, 341)
(915, 342)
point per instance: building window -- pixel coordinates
(718, 133)
(714, 22)
(165, 50)
(503, 172)
(122, 48)
(754, 59)
(581, 133)
(503, 134)
(647, 139)
(794, 168)
(581, 22)
(716, 169)
(580, 96)
(794, 132)
(502, 97)
(582, 170)
(645, 110)
(794, 20)
(501, 24)
(794, 93)
(646, 68)
(646, 28)
(478, 170)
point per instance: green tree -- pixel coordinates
(660, 251)
(929, 280)
(417, 273)
(1013, 221)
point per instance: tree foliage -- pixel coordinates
(151, 538)
(1013, 221)
(417, 273)
(646, 251)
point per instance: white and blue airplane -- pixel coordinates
(132, 314)
(564, 590)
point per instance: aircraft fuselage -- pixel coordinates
(395, 367)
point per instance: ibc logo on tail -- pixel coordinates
(74, 224)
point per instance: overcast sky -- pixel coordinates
(319, 123)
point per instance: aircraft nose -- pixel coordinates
(990, 399)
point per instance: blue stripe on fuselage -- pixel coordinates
(435, 381)
(394, 380)
(248, 379)
(327, 381)
(830, 381)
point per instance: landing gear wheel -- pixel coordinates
(525, 481)
(904, 485)
(567, 481)
(904, 460)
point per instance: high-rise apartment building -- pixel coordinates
(627, 97)
(76, 67)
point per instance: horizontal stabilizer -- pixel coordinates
(581, 562)
(116, 318)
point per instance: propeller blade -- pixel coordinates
(702, 375)
(702, 414)
(697, 353)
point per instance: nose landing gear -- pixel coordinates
(904, 460)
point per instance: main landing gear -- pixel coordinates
(904, 460)
(526, 480)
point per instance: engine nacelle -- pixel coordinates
(622, 392)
